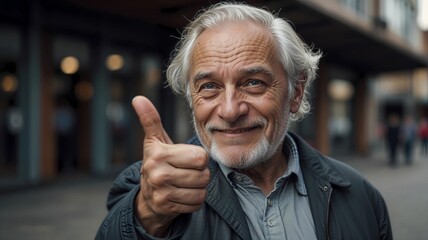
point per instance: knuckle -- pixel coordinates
(168, 204)
(205, 178)
(173, 208)
(148, 164)
(156, 153)
(158, 199)
(159, 178)
(162, 199)
(202, 194)
(200, 157)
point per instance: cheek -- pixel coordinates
(275, 103)
(203, 110)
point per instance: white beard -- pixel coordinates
(261, 153)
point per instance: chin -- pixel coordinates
(243, 159)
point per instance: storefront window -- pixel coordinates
(340, 122)
(11, 122)
(11, 118)
(72, 93)
(123, 84)
(117, 112)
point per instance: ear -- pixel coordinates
(297, 98)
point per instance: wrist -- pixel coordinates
(154, 224)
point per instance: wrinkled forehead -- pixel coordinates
(234, 41)
(232, 33)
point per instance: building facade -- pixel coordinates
(69, 70)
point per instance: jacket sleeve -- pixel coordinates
(121, 221)
(383, 218)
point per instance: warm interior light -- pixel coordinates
(115, 62)
(69, 65)
(9, 83)
(84, 91)
(340, 90)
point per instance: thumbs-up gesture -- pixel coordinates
(173, 176)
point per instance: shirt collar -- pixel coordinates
(290, 149)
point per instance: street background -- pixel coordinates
(74, 206)
(69, 70)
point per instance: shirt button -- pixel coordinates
(269, 202)
(270, 223)
(239, 178)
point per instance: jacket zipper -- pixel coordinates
(327, 214)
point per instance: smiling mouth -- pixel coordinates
(236, 131)
(237, 127)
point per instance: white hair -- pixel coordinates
(299, 61)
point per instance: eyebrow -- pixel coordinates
(245, 71)
(202, 75)
(256, 70)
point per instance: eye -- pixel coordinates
(255, 86)
(208, 90)
(254, 83)
(207, 86)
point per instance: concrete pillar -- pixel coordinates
(84, 127)
(361, 113)
(100, 134)
(322, 142)
(29, 74)
(49, 164)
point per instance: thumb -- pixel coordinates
(150, 119)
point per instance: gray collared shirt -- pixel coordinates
(284, 213)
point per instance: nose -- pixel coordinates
(232, 106)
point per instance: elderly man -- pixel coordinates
(245, 74)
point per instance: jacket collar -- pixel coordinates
(310, 159)
(320, 165)
(318, 172)
(222, 199)
(321, 176)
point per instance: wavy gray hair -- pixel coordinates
(299, 61)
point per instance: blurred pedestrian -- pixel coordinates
(65, 123)
(409, 136)
(423, 135)
(393, 138)
(14, 122)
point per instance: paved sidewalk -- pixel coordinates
(73, 208)
(405, 190)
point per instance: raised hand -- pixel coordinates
(173, 176)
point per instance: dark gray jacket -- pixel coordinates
(344, 205)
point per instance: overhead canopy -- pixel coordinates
(343, 37)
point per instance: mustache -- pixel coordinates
(240, 124)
